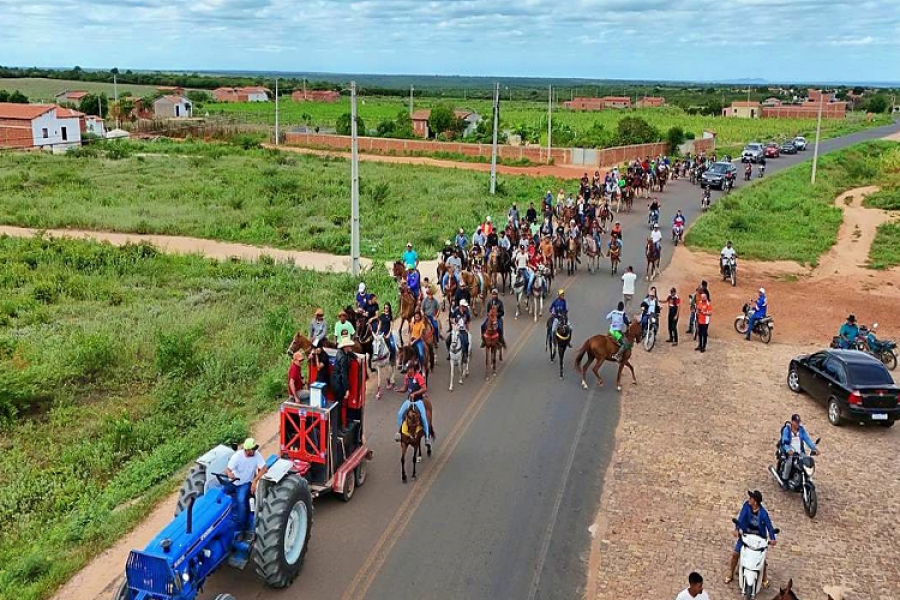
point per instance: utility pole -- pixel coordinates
(354, 185)
(411, 89)
(116, 96)
(549, 121)
(494, 144)
(276, 112)
(812, 179)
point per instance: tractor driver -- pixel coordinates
(245, 468)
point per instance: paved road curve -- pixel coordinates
(503, 507)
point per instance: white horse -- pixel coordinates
(538, 291)
(381, 359)
(458, 360)
(520, 289)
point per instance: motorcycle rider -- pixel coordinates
(748, 172)
(762, 166)
(654, 210)
(707, 196)
(848, 333)
(678, 221)
(725, 255)
(759, 312)
(656, 236)
(650, 305)
(794, 442)
(753, 519)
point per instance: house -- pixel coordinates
(420, 122)
(169, 107)
(598, 103)
(137, 109)
(71, 96)
(316, 96)
(651, 102)
(616, 102)
(171, 90)
(68, 113)
(241, 94)
(772, 102)
(94, 125)
(38, 126)
(815, 99)
(742, 109)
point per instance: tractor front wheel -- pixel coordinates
(192, 487)
(283, 526)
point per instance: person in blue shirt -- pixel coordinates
(755, 520)
(848, 333)
(461, 240)
(794, 442)
(412, 280)
(410, 257)
(415, 391)
(759, 311)
(558, 308)
(362, 298)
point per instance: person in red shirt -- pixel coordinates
(295, 376)
(704, 310)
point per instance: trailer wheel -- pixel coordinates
(360, 472)
(192, 487)
(122, 594)
(283, 526)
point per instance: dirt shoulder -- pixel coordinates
(699, 431)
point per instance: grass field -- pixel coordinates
(786, 218)
(731, 132)
(45, 90)
(254, 196)
(117, 367)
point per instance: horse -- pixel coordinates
(573, 249)
(450, 290)
(787, 593)
(398, 271)
(606, 214)
(546, 250)
(559, 251)
(498, 264)
(459, 360)
(411, 433)
(593, 253)
(628, 197)
(519, 288)
(558, 340)
(653, 257)
(408, 304)
(408, 354)
(477, 288)
(301, 342)
(381, 359)
(492, 345)
(601, 348)
(539, 288)
(615, 253)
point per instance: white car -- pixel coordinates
(800, 143)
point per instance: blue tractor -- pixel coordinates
(206, 532)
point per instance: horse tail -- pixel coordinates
(581, 352)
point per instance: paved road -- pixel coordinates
(503, 507)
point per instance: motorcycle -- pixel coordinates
(650, 331)
(677, 233)
(705, 200)
(884, 350)
(748, 173)
(653, 218)
(763, 327)
(728, 184)
(801, 480)
(762, 171)
(729, 270)
(752, 562)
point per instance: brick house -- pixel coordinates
(598, 103)
(420, 122)
(616, 102)
(316, 96)
(172, 107)
(831, 108)
(171, 90)
(71, 96)
(651, 102)
(741, 109)
(38, 126)
(241, 94)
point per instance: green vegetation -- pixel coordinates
(45, 90)
(785, 218)
(15, 96)
(885, 250)
(255, 196)
(117, 367)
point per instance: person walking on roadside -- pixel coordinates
(704, 310)
(628, 280)
(674, 304)
(694, 590)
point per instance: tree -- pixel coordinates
(14, 96)
(675, 137)
(712, 108)
(877, 104)
(443, 120)
(343, 125)
(635, 130)
(93, 104)
(858, 90)
(199, 96)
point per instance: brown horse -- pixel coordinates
(411, 433)
(653, 257)
(477, 288)
(408, 354)
(615, 253)
(492, 343)
(450, 290)
(499, 265)
(547, 253)
(408, 304)
(787, 593)
(601, 348)
(573, 249)
(398, 271)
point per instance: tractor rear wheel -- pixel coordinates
(192, 487)
(283, 526)
(123, 594)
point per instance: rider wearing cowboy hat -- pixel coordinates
(495, 301)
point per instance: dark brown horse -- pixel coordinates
(408, 354)
(601, 348)
(787, 593)
(411, 433)
(492, 344)
(499, 266)
(558, 340)
(408, 304)
(653, 256)
(398, 271)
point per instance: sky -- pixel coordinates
(699, 40)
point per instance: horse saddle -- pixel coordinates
(404, 429)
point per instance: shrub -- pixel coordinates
(675, 137)
(176, 353)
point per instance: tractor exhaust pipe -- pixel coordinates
(190, 515)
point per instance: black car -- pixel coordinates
(788, 148)
(854, 385)
(714, 176)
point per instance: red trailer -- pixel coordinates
(328, 449)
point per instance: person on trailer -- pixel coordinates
(295, 376)
(340, 380)
(245, 468)
(416, 388)
(343, 328)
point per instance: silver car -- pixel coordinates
(753, 152)
(800, 142)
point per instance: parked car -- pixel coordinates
(853, 385)
(772, 150)
(788, 148)
(715, 175)
(753, 152)
(800, 142)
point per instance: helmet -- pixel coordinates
(362, 288)
(762, 290)
(656, 226)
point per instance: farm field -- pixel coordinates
(45, 90)
(261, 197)
(117, 367)
(786, 218)
(532, 115)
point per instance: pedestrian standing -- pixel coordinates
(628, 280)
(674, 304)
(704, 310)
(694, 590)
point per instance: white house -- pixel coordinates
(256, 94)
(94, 125)
(168, 107)
(38, 125)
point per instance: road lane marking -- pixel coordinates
(366, 575)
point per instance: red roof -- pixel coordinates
(175, 99)
(254, 89)
(11, 110)
(68, 113)
(74, 94)
(421, 115)
(616, 98)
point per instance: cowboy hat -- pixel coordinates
(362, 287)
(464, 302)
(345, 342)
(836, 592)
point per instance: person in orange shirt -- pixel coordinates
(704, 310)
(417, 336)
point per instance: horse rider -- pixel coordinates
(614, 246)
(488, 226)
(618, 324)
(412, 281)
(446, 251)
(573, 230)
(415, 390)
(616, 231)
(656, 237)
(531, 214)
(513, 214)
(478, 238)
(381, 325)
(431, 308)
(462, 293)
(456, 263)
(461, 316)
(362, 298)
(476, 258)
(461, 243)
(410, 257)
(495, 301)
(503, 241)
(318, 328)
(492, 241)
(759, 311)
(725, 255)
(417, 336)
(546, 227)
(559, 308)
(520, 261)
